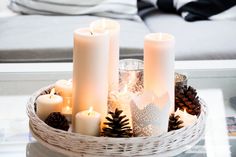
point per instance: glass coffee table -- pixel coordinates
(215, 82)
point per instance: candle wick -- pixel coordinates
(91, 32)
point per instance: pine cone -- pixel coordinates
(175, 122)
(117, 125)
(57, 121)
(186, 99)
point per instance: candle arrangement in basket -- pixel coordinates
(130, 98)
(108, 100)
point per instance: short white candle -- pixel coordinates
(88, 122)
(64, 88)
(47, 104)
(113, 28)
(188, 119)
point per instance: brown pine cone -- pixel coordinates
(117, 125)
(186, 99)
(57, 121)
(175, 122)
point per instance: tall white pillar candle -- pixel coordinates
(159, 59)
(88, 122)
(47, 104)
(113, 28)
(90, 71)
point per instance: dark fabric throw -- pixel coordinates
(194, 10)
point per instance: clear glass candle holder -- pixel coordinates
(131, 75)
(180, 79)
(67, 107)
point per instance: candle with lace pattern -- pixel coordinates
(113, 28)
(47, 104)
(159, 59)
(90, 72)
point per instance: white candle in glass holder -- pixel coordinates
(121, 100)
(159, 59)
(47, 104)
(88, 122)
(67, 107)
(113, 28)
(64, 88)
(90, 71)
(131, 75)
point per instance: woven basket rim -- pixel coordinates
(38, 92)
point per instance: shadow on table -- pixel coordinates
(37, 150)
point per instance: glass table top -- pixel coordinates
(216, 85)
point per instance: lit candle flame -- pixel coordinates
(52, 92)
(90, 110)
(68, 108)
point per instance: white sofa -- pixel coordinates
(37, 38)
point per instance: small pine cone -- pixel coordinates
(186, 99)
(57, 121)
(117, 125)
(175, 122)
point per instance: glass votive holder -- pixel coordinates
(180, 79)
(131, 75)
(67, 107)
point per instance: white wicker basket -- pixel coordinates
(74, 144)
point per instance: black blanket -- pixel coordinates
(193, 10)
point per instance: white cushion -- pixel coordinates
(200, 40)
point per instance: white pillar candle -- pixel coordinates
(188, 119)
(90, 71)
(64, 88)
(88, 122)
(159, 59)
(47, 104)
(113, 28)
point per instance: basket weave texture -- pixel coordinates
(76, 144)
